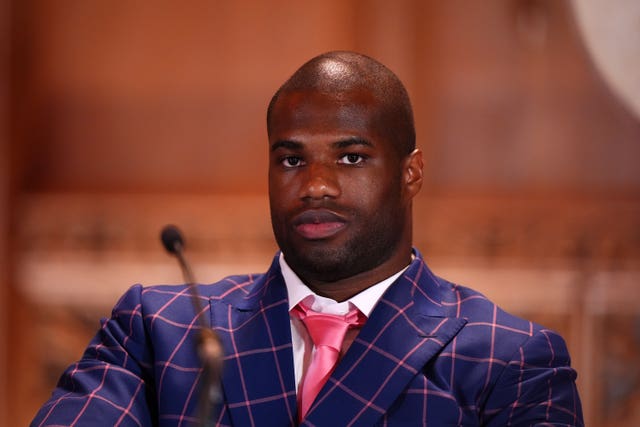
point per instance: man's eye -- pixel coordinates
(351, 159)
(292, 162)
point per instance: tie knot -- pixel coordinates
(328, 329)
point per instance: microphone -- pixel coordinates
(172, 239)
(208, 345)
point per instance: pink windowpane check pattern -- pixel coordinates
(431, 353)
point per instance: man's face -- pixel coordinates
(335, 184)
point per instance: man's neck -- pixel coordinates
(343, 289)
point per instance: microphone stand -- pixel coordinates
(208, 345)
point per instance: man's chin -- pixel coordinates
(323, 264)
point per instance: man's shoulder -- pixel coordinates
(176, 299)
(475, 306)
(228, 288)
(482, 309)
(489, 323)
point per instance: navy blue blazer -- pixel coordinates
(431, 352)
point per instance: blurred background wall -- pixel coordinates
(119, 117)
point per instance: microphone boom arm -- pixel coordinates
(208, 345)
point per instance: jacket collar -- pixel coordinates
(408, 326)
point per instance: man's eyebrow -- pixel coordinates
(287, 144)
(349, 142)
(341, 144)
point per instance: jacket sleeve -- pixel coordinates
(111, 384)
(537, 387)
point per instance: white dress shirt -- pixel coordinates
(298, 291)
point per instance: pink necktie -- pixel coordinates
(327, 332)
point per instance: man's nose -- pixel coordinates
(320, 182)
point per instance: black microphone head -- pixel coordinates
(172, 239)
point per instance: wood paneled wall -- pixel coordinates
(507, 83)
(129, 116)
(5, 201)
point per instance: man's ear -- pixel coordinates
(412, 175)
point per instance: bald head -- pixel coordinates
(337, 73)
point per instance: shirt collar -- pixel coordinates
(364, 301)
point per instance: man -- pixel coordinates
(412, 348)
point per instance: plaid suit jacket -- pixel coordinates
(432, 352)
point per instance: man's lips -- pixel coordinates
(318, 224)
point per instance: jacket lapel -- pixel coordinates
(406, 329)
(258, 376)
